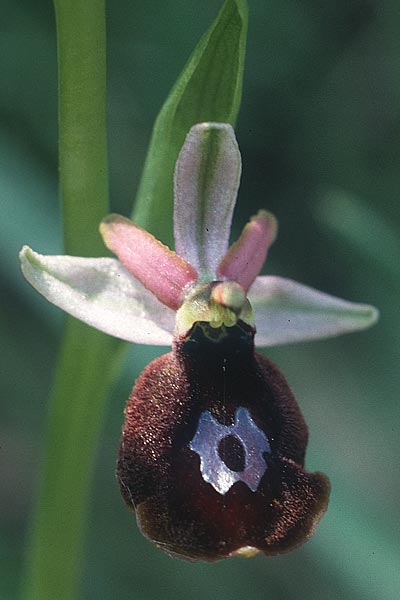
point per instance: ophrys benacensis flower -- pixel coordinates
(213, 446)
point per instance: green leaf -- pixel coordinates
(208, 89)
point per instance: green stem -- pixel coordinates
(87, 358)
(81, 38)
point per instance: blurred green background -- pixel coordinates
(319, 132)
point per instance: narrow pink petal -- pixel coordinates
(157, 267)
(245, 258)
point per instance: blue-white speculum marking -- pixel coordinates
(207, 439)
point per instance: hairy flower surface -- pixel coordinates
(213, 446)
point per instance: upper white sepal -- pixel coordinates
(206, 181)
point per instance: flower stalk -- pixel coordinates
(83, 375)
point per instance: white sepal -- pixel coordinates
(101, 293)
(286, 311)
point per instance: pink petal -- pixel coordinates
(157, 267)
(245, 258)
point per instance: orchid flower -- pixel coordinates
(213, 445)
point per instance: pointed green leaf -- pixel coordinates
(208, 89)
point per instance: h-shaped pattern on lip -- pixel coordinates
(206, 441)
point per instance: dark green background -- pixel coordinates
(319, 132)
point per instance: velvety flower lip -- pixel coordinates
(194, 499)
(135, 297)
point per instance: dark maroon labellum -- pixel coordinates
(212, 451)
